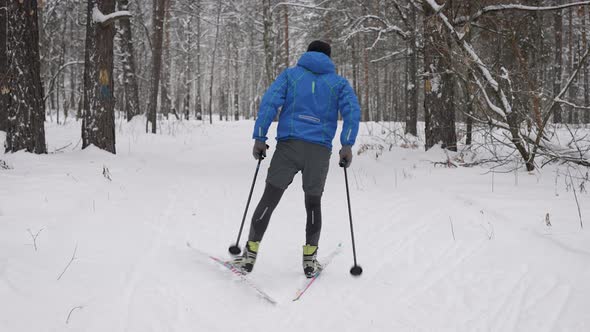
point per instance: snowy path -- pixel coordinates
(504, 271)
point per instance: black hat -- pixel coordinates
(320, 46)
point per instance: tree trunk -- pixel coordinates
(438, 87)
(286, 36)
(165, 98)
(188, 74)
(236, 68)
(355, 65)
(4, 90)
(366, 101)
(129, 67)
(253, 98)
(26, 108)
(586, 118)
(198, 97)
(73, 75)
(571, 60)
(366, 115)
(412, 90)
(267, 22)
(469, 91)
(158, 36)
(212, 76)
(61, 79)
(98, 124)
(558, 62)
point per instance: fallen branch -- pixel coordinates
(62, 148)
(4, 165)
(34, 237)
(69, 263)
(452, 229)
(576, 197)
(71, 311)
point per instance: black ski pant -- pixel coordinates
(270, 199)
(289, 158)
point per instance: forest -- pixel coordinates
(127, 165)
(512, 72)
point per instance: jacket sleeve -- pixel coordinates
(351, 113)
(273, 98)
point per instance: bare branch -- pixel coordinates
(576, 197)
(293, 4)
(400, 11)
(498, 8)
(52, 81)
(70, 262)
(569, 103)
(385, 28)
(558, 98)
(389, 56)
(34, 237)
(71, 311)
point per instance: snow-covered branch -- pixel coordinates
(52, 81)
(497, 8)
(435, 6)
(389, 56)
(573, 75)
(569, 103)
(294, 4)
(401, 12)
(483, 69)
(386, 27)
(489, 102)
(99, 17)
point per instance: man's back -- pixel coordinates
(310, 95)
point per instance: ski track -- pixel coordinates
(141, 269)
(416, 276)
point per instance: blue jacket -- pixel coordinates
(310, 94)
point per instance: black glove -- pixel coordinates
(345, 156)
(259, 150)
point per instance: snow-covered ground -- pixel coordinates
(443, 249)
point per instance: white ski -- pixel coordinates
(326, 261)
(236, 272)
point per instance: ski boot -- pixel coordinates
(311, 266)
(245, 263)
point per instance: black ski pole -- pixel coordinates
(356, 270)
(235, 249)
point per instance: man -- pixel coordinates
(310, 95)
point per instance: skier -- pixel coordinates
(310, 96)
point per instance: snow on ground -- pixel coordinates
(506, 270)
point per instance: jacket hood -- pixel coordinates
(317, 62)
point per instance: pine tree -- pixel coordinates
(26, 109)
(98, 124)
